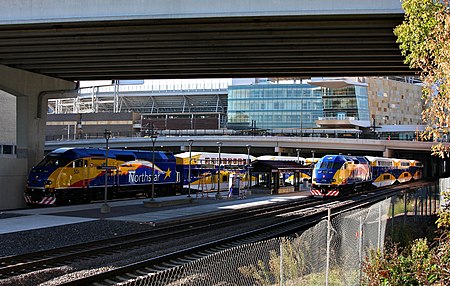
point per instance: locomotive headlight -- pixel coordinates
(48, 182)
(333, 180)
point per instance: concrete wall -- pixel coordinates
(12, 171)
(7, 118)
(35, 11)
(31, 92)
(12, 182)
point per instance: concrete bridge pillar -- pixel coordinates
(388, 153)
(278, 151)
(32, 92)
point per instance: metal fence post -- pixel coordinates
(415, 207)
(360, 247)
(281, 263)
(379, 228)
(327, 269)
(435, 195)
(431, 200)
(393, 215)
(404, 208)
(421, 205)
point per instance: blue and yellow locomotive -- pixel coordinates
(335, 175)
(77, 175)
(69, 175)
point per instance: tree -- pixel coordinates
(424, 38)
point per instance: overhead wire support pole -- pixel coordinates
(153, 138)
(190, 141)
(249, 178)
(218, 195)
(105, 207)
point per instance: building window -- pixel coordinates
(340, 115)
(8, 149)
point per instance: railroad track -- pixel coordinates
(153, 269)
(20, 264)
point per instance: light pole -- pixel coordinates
(190, 141)
(248, 167)
(105, 207)
(153, 137)
(218, 195)
(299, 178)
(312, 152)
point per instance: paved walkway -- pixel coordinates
(132, 210)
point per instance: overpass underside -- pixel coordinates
(271, 46)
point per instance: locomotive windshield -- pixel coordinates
(53, 161)
(330, 165)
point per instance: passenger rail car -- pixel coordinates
(336, 175)
(69, 175)
(204, 169)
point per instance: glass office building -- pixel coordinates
(350, 102)
(272, 106)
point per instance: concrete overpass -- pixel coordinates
(129, 39)
(260, 144)
(48, 45)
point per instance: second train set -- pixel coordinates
(335, 175)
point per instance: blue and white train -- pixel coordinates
(336, 175)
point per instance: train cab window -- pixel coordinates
(77, 164)
(326, 165)
(53, 161)
(337, 165)
(331, 165)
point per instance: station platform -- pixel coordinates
(135, 210)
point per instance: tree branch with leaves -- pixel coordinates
(424, 38)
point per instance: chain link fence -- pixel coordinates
(330, 253)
